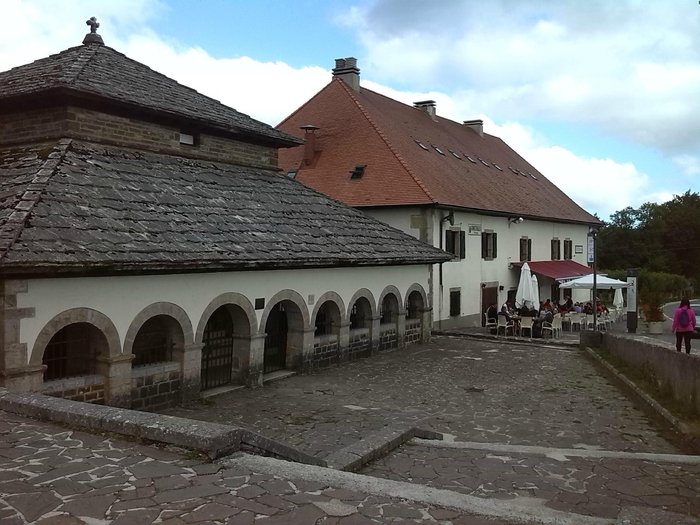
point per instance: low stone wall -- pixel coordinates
(88, 389)
(413, 331)
(360, 344)
(156, 387)
(388, 337)
(675, 373)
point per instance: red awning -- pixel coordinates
(557, 269)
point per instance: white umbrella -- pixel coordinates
(602, 283)
(524, 291)
(535, 291)
(619, 301)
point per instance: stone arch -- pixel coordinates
(334, 298)
(228, 298)
(285, 295)
(76, 315)
(416, 288)
(161, 308)
(362, 292)
(393, 290)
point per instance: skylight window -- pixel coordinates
(438, 150)
(422, 145)
(470, 159)
(531, 175)
(292, 174)
(511, 168)
(455, 154)
(358, 172)
(485, 163)
(497, 167)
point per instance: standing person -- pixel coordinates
(684, 325)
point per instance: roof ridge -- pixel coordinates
(389, 145)
(13, 226)
(80, 64)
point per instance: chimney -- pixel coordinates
(426, 105)
(477, 125)
(309, 143)
(346, 69)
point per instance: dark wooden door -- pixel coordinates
(275, 340)
(489, 296)
(217, 353)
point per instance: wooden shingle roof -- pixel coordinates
(99, 74)
(75, 207)
(412, 158)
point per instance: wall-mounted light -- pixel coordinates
(450, 217)
(514, 220)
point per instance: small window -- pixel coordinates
(525, 249)
(422, 145)
(485, 163)
(497, 167)
(438, 150)
(358, 172)
(489, 245)
(556, 249)
(188, 139)
(568, 249)
(511, 168)
(292, 174)
(470, 159)
(455, 243)
(531, 175)
(455, 303)
(456, 155)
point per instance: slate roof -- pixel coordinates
(453, 167)
(100, 73)
(78, 207)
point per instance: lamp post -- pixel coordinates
(592, 258)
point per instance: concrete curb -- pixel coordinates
(213, 439)
(353, 457)
(514, 340)
(641, 394)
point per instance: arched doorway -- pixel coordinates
(360, 328)
(389, 322)
(155, 341)
(414, 314)
(217, 352)
(70, 358)
(277, 334)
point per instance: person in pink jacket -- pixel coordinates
(684, 324)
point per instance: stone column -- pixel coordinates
(426, 322)
(303, 361)
(116, 372)
(15, 371)
(344, 342)
(401, 328)
(190, 359)
(375, 334)
(253, 375)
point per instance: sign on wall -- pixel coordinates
(475, 229)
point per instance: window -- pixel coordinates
(556, 249)
(488, 245)
(455, 243)
(188, 139)
(568, 245)
(455, 302)
(525, 249)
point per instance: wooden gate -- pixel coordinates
(275, 340)
(217, 353)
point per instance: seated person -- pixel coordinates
(577, 308)
(491, 311)
(505, 310)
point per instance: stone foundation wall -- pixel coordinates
(675, 373)
(88, 389)
(326, 353)
(360, 344)
(156, 387)
(388, 337)
(413, 331)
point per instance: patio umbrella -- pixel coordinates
(619, 301)
(524, 291)
(602, 283)
(535, 291)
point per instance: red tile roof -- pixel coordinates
(557, 269)
(368, 128)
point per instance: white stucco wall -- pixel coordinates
(469, 273)
(122, 298)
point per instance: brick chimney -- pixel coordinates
(346, 69)
(309, 143)
(426, 105)
(477, 125)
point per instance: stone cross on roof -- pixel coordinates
(92, 37)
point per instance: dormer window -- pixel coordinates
(358, 172)
(188, 139)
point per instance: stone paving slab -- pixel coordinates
(111, 481)
(490, 391)
(592, 486)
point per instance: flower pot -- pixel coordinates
(656, 327)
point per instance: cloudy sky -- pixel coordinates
(602, 96)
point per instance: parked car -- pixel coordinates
(696, 308)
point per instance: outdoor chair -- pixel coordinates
(504, 323)
(557, 325)
(489, 322)
(577, 319)
(526, 324)
(546, 327)
(566, 321)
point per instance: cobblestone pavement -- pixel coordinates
(489, 391)
(50, 475)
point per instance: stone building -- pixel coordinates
(150, 248)
(448, 184)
